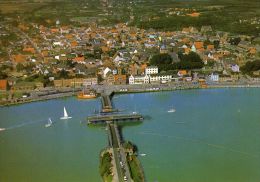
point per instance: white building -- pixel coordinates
(160, 78)
(235, 68)
(214, 77)
(151, 70)
(57, 44)
(138, 79)
(106, 71)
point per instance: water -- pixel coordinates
(213, 136)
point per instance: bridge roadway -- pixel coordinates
(119, 153)
(114, 138)
(106, 103)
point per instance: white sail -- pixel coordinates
(65, 113)
(49, 123)
(66, 116)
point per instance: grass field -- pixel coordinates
(19, 7)
(220, 14)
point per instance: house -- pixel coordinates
(194, 14)
(181, 73)
(119, 79)
(3, 84)
(29, 50)
(214, 77)
(199, 45)
(151, 70)
(24, 86)
(205, 29)
(110, 79)
(235, 68)
(39, 85)
(90, 81)
(144, 79)
(163, 78)
(19, 58)
(106, 71)
(55, 30)
(76, 82)
(79, 59)
(134, 69)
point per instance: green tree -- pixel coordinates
(20, 67)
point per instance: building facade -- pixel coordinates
(151, 70)
(139, 79)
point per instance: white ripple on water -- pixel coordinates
(201, 142)
(22, 125)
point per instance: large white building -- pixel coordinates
(145, 79)
(138, 79)
(160, 78)
(151, 70)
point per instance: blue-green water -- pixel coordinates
(214, 136)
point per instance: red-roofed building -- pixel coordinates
(198, 45)
(19, 58)
(29, 49)
(80, 59)
(3, 84)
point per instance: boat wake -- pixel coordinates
(202, 142)
(21, 125)
(2, 129)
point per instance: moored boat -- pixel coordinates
(90, 95)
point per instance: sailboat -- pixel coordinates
(171, 110)
(65, 115)
(49, 123)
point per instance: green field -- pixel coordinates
(221, 15)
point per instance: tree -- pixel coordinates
(20, 67)
(161, 59)
(249, 67)
(235, 41)
(63, 74)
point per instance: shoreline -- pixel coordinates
(127, 89)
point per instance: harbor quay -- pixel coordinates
(52, 93)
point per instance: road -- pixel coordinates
(119, 155)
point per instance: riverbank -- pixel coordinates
(123, 89)
(36, 96)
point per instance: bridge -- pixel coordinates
(123, 172)
(109, 114)
(111, 117)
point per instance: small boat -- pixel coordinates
(86, 95)
(49, 123)
(2, 129)
(142, 154)
(134, 112)
(171, 110)
(66, 116)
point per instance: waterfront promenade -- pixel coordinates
(66, 92)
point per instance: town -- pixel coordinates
(52, 49)
(42, 59)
